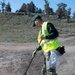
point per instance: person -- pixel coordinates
(48, 42)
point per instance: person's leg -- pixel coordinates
(44, 67)
(47, 60)
(52, 63)
(54, 73)
(46, 63)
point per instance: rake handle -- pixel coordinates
(28, 66)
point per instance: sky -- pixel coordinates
(16, 4)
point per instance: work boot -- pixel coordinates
(54, 73)
(44, 70)
(51, 70)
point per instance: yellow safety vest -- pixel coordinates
(47, 44)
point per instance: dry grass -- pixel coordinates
(18, 28)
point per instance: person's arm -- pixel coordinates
(53, 33)
(36, 51)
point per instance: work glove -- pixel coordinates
(42, 37)
(35, 52)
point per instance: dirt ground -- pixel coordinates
(15, 57)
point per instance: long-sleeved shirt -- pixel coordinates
(53, 33)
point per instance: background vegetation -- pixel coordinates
(61, 11)
(17, 26)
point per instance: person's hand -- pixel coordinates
(42, 36)
(34, 53)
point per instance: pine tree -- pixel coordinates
(61, 11)
(68, 12)
(8, 7)
(48, 10)
(74, 15)
(31, 7)
(23, 8)
(2, 3)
